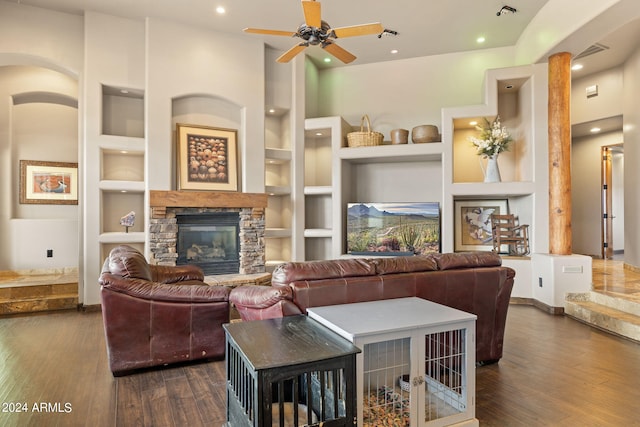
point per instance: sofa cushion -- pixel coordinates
(404, 264)
(126, 262)
(314, 270)
(188, 291)
(451, 261)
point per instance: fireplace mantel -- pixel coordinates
(204, 199)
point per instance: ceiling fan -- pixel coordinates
(316, 32)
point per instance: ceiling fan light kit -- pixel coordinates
(316, 32)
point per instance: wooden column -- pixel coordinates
(560, 154)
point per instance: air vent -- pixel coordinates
(595, 48)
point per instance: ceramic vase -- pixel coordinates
(492, 173)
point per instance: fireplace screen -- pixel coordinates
(211, 241)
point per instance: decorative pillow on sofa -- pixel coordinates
(127, 262)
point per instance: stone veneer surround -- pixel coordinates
(163, 229)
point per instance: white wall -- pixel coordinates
(31, 35)
(410, 92)
(610, 85)
(184, 61)
(631, 129)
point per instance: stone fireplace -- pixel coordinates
(210, 244)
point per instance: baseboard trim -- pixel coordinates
(556, 311)
(89, 308)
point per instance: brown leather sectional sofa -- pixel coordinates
(157, 315)
(473, 282)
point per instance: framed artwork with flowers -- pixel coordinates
(207, 158)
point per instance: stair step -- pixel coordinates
(604, 317)
(46, 303)
(611, 300)
(41, 291)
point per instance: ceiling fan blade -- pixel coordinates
(339, 52)
(269, 32)
(358, 30)
(312, 13)
(288, 55)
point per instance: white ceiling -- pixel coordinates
(424, 27)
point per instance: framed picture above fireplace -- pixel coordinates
(207, 158)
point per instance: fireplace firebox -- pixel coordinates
(210, 240)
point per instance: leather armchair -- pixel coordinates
(157, 315)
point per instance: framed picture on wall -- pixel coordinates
(207, 158)
(53, 183)
(472, 223)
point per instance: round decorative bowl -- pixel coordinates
(399, 136)
(425, 133)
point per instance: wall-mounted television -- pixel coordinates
(393, 228)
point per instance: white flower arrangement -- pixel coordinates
(494, 138)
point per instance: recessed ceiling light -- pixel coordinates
(394, 51)
(577, 67)
(272, 110)
(318, 133)
(327, 59)
(123, 152)
(481, 39)
(124, 91)
(595, 130)
(473, 123)
(220, 10)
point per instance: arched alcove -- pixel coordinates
(211, 111)
(40, 123)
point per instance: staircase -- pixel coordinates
(613, 314)
(28, 292)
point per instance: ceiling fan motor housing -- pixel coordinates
(313, 35)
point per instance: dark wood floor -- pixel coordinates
(555, 372)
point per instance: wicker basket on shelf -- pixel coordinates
(364, 138)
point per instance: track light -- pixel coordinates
(506, 9)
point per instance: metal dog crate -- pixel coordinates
(417, 366)
(290, 371)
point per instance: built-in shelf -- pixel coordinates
(493, 189)
(277, 233)
(122, 111)
(275, 262)
(122, 237)
(277, 155)
(277, 190)
(122, 186)
(318, 190)
(393, 153)
(318, 232)
(117, 143)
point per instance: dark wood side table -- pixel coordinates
(289, 368)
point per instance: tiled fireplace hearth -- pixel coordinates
(167, 205)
